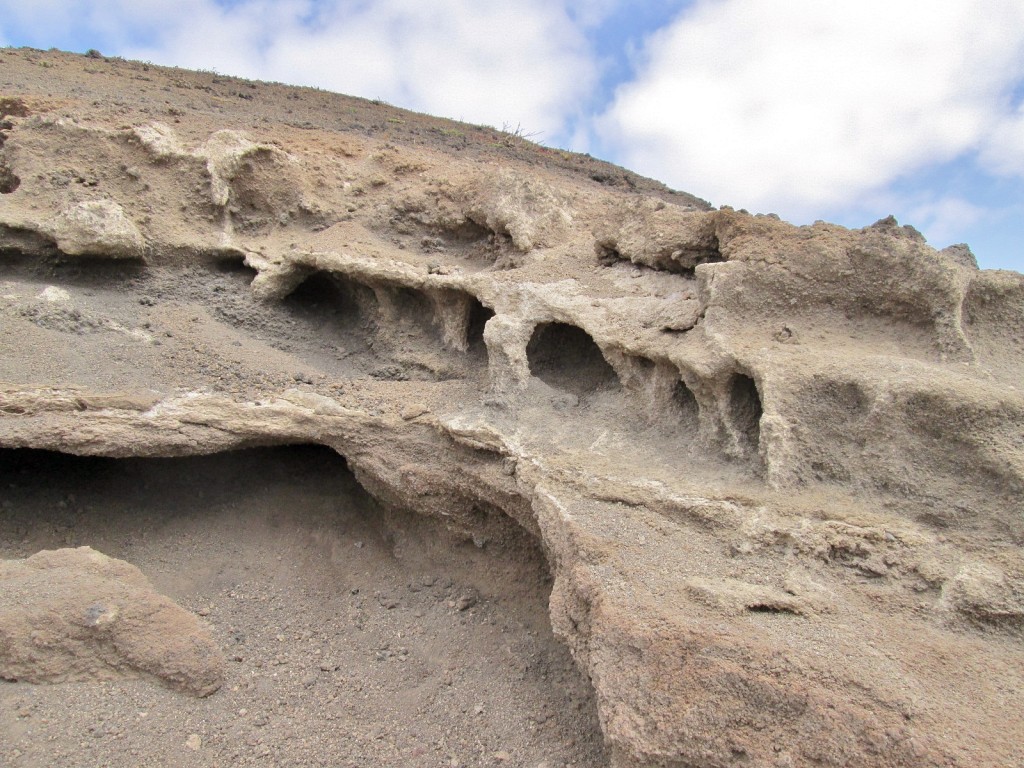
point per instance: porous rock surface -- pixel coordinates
(776, 470)
(76, 614)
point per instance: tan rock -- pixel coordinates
(98, 228)
(76, 614)
(776, 470)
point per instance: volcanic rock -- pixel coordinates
(776, 470)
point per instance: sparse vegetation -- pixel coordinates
(513, 136)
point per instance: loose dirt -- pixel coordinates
(355, 636)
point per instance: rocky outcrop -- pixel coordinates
(97, 228)
(776, 470)
(76, 614)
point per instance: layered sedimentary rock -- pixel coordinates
(776, 470)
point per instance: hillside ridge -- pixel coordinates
(774, 472)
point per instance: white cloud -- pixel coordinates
(199, 34)
(1004, 151)
(798, 105)
(36, 18)
(591, 12)
(516, 63)
(943, 220)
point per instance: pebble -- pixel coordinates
(413, 411)
(194, 742)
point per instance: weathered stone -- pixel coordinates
(776, 470)
(76, 614)
(97, 228)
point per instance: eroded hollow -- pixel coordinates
(681, 258)
(410, 312)
(566, 357)
(383, 329)
(28, 255)
(357, 634)
(9, 182)
(745, 411)
(333, 303)
(685, 407)
(478, 317)
(233, 264)
(468, 231)
(480, 245)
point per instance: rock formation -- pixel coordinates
(776, 470)
(76, 614)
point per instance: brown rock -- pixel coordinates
(76, 614)
(776, 470)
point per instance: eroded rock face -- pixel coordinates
(776, 470)
(76, 614)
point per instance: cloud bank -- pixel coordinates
(800, 105)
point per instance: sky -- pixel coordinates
(810, 109)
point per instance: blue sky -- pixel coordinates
(839, 110)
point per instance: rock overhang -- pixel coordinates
(768, 449)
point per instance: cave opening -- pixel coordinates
(329, 299)
(685, 405)
(566, 357)
(413, 311)
(745, 411)
(468, 231)
(478, 317)
(234, 265)
(357, 631)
